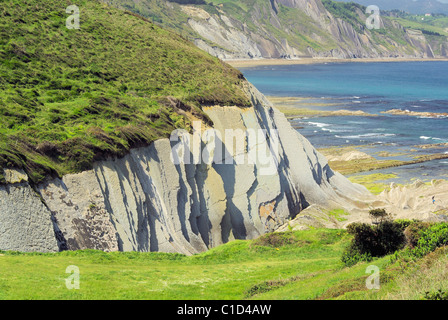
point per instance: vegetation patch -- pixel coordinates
(267, 286)
(279, 239)
(372, 181)
(348, 285)
(377, 240)
(338, 214)
(349, 12)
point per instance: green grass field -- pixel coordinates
(301, 265)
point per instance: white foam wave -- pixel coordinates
(367, 135)
(438, 140)
(335, 130)
(433, 117)
(431, 138)
(357, 122)
(319, 124)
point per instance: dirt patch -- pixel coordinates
(277, 240)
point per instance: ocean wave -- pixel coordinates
(433, 117)
(336, 130)
(367, 135)
(357, 122)
(432, 138)
(319, 124)
(325, 127)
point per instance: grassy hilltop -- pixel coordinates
(70, 97)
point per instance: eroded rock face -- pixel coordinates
(25, 222)
(146, 202)
(228, 38)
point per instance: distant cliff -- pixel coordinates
(288, 29)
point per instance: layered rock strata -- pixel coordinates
(146, 202)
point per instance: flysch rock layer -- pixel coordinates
(146, 202)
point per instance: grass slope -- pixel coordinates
(71, 97)
(237, 270)
(299, 265)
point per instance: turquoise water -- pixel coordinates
(373, 88)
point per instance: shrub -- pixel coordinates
(404, 223)
(412, 233)
(391, 237)
(378, 215)
(373, 241)
(438, 295)
(352, 255)
(423, 238)
(430, 239)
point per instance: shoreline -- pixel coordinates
(404, 197)
(248, 63)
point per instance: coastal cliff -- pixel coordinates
(91, 139)
(289, 29)
(145, 202)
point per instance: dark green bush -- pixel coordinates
(352, 255)
(373, 241)
(404, 223)
(378, 215)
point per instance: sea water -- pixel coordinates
(372, 88)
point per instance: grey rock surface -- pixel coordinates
(146, 202)
(226, 37)
(25, 222)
